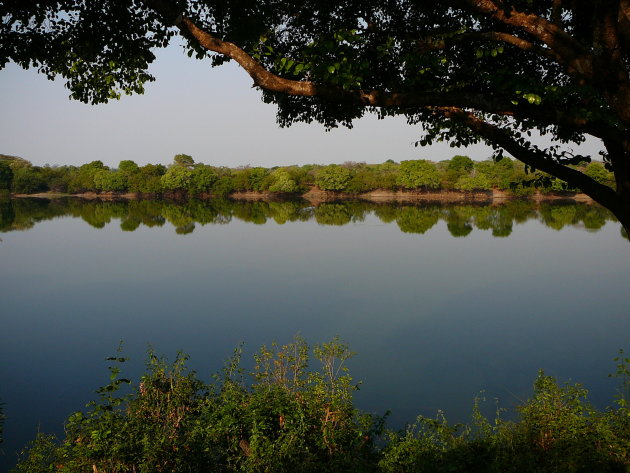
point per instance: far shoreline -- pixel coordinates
(316, 196)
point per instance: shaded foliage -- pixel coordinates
(6, 175)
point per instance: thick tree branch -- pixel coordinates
(535, 158)
(274, 83)
(570, 52)
(556, 12)
(603, 67)
(431, 44)
(409, 100)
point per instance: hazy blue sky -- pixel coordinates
(212, 114)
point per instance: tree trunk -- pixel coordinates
(623, 194)
(619, 156)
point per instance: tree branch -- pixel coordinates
(534, 157)
(274, 83)
(604, 67)
(430, 44)
(457, 100)
(569, 51)
(556, 12)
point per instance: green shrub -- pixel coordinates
(418, 174)
(556, 431)
(332, 178)
(599, 173)
(6, 175)
(28, 180)
(177, 178)
(281, 181)
(110, 181)
(284, 417)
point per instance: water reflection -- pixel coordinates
(461, 220)
(435, 317)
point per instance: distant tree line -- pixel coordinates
(186, 178)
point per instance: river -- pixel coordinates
(439, 302)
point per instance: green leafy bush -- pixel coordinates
(333, 177)
(6, 175)
(284, 417)
(281, 181)
(418, 174)
(599, 173)
(557, 430)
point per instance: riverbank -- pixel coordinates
(315, 196)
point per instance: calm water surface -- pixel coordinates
(440, 303)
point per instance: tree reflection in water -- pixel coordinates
(460, 219)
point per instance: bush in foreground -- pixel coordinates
(285, 418)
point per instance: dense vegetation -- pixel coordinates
(496, 71)
(284, 417)
(185, 177)
(21, 214)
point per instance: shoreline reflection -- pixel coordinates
(418, 218)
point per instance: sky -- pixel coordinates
(212, 114)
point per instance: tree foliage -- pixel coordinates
(27, 180)
(183, 160)
(111, 181)
(177, 178)
(418, 174)
(6, 175)
(351, 178)
(202, 179)
(83, 178)
(282, 182)
(332, 177)
(128, 167)
(468, 70)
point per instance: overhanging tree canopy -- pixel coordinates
(468, 70)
